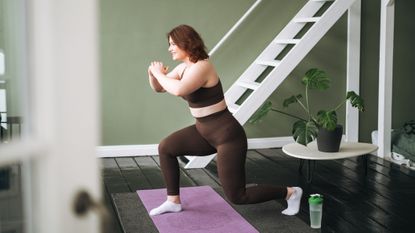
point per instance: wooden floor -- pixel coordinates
(381, 201)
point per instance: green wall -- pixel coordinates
(133, 34)
(403, 72)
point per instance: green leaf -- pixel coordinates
(355, 100)
(291, 100)
(327, 119)
(261, 112)
(304, 132)
(409, 128)
(316, 79)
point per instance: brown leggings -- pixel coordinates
(218, 133)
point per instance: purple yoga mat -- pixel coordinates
(204, 211)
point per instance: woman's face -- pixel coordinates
(176, 52)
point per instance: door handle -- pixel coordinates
(84, 203)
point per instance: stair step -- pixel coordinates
(268, 63)
(306, 19)
(232, 107)
(249, 85)
(287, 41)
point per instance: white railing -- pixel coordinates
(387, 19)
(237, 24)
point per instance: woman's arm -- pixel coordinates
(155, 85)
(196, 76)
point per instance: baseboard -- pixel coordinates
(127, 150)
(152, 149)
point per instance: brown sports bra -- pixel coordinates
(205, 96)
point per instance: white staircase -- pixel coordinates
(278, 60)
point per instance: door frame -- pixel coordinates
(58, 146)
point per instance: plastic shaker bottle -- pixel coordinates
(316, 210)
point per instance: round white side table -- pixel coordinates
(311, 153)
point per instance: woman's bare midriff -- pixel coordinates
(208, 110)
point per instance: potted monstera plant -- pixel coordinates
(321, 125)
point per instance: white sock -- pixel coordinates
(293, 202)
(166, 207)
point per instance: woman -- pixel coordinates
(215, 130)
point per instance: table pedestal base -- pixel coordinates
(311, 166)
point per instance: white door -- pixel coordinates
(50, 77)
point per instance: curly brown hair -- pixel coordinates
(190, 41)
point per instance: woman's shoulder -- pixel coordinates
(204, 62)
(204, 65)
(209, 72)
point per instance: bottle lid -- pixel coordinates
(315, 199)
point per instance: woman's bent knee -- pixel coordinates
(164, 148)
